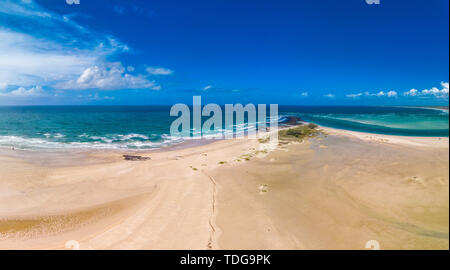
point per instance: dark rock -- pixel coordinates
(135, 158)
(292, 121)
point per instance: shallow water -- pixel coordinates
(401, 121)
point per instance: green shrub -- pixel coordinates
(312, 126)
(299, 132)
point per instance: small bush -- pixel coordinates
(300, 132)
(312, 126)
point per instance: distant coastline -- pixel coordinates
(439, 108)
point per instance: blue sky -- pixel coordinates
(321, 52)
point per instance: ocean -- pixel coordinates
(147, 127)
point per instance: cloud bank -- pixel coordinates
(51, 51)
(370, 94)
(433, 92)
(111, 76)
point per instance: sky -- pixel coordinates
(296, 52)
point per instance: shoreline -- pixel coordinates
(439, 108)
(80, 154)
(236, 194)
(393, 139)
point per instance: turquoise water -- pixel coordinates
(147, 127)
(403, 121)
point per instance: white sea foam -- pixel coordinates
(101, 143)
(56, 135)
(52, 141)
(132, 136)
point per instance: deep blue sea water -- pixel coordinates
(147, 127)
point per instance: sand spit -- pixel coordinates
(335, 191)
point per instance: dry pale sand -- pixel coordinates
(337, 191)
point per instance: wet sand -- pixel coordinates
(337, 191)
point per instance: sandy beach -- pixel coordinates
(335, 191)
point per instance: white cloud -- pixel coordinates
(330, 95)
(159, 71)
(95, 97)
(304, 94)
(444, 87)
(25, 60)
(433, 92)
(207, 87)
(354, 95)
(23, 9)
(413, 92)
(34, 16)
(3, 85)
(391, 94)
(23, 92)
(111, 76)
(377, 94)
(51, 50)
